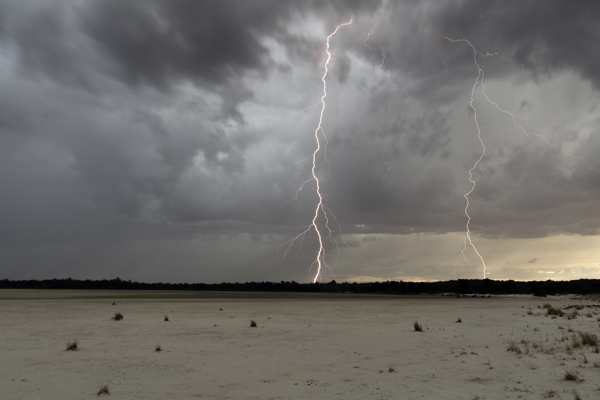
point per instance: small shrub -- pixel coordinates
(103, 390)
(554, 311)
(573, 314)
(72, 345)
(390, 369)
(167, 318)
(118, 316)
(158, 348)
(572, 375)
(550, 394)
(459, 320)
(547, 305)
(252, 324)
(588, 339)
(513, 346)
(418, 328)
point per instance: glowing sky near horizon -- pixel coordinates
(164, 141)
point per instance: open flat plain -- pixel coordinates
(303, 347)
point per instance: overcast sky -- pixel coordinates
(167, 140)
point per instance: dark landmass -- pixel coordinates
(455, 287)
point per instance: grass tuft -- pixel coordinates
(513, 346)
(72, 345)
(572, 375)
(118, 316)
(167, 318)
(459, 320)
(588, 339)
(252, 323)
(158, 348)
(418, 328)
(554, 311)
(103, 390)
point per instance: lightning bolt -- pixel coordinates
(320, 208)
(480, 80)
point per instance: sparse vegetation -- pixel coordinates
(588, 339)
(72, 345)
(572, 375)
(418, 328)
(513, 346)
(158, 348)
(391, 369)
(553, 311)
(576, 395)
(531, 366)
(550, 394)
(103, 390)
(573, 314)
(252, 323)
(167, 318)
(118, 316)
(459, 320)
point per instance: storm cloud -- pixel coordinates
(167, 140)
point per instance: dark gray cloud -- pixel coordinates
(170, 122)
(546, 36)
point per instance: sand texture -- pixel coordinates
(304, 346)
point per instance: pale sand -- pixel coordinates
(305, 347)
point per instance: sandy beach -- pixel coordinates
(303, 347)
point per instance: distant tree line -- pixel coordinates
(460, 286)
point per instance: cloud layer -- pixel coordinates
(142, 135)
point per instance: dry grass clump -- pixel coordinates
(572, 375)
(418, 328)
(118, 316)
(588, 339)
(391, 369)
(157, 348)
(573, 314)
(167, 318)
(72, 345)
(459, 320)
(575, 343)
(252, 323)
(103, 390)
(513, 346)
(553, 311)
